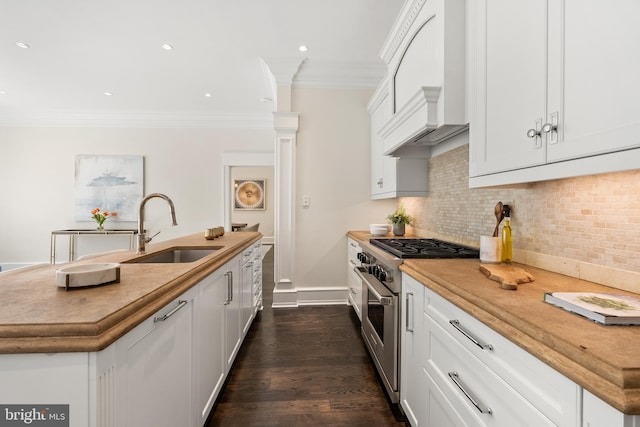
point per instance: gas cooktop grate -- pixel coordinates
(425, 248)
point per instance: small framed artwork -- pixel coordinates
(249, 194)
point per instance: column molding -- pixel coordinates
(286, 127)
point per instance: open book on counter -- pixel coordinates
(608, 309)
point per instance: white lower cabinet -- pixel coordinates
(232, 303)
(457, 371)
(154, 369)
(209, 354)
(256, 288)
(413, 387)
(354, 282)
(246, 286)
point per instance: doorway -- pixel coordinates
(260, 178)
(250, 166)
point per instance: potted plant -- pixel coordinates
(399, 219)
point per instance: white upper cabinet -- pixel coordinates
(554, 89)
(392, 177)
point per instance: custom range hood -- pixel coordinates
(421, 123)
(425, 54)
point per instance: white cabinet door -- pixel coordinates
(209, 357)
(233, 285)
(382, 167)
(354, 282)
(413, 387)
(256, 289)
(593, 77)
(392, 177)
(510, 84)
(246, 299)
(154, 362)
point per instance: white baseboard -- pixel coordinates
(328, 295)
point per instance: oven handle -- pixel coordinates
(382, 295)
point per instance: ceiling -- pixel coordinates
(81, 49)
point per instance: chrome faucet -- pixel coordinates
(142, 238)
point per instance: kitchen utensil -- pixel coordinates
(499, 217)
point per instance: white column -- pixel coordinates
(285, 123)
(286, 127)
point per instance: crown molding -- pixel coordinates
(177, 119)
(404, 21)
(333, 74)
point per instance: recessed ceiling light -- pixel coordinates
(108, 94)
(22, 45)
(266, 99)
(302, 48)
(167, 46)
(208, 95)
(3, 92)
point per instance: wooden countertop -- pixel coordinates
(603, 359)
(37, 316)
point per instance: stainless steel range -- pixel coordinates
(381, 290)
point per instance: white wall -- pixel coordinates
(37, 180)
(333, 169)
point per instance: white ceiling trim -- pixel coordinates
(138, 120)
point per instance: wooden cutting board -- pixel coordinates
(507, 275)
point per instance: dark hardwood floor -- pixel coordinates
(303, 366)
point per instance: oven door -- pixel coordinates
(380, 329)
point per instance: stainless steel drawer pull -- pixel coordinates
(181, 303)
(229, 275)
(456, 324)
(456, 380)
(409, 314)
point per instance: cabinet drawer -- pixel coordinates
(549, 391)
(478, 395)
(353, 248)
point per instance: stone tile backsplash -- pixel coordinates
(591, 219)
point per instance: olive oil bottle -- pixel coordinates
(507, 256)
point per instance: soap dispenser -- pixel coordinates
(507, 256)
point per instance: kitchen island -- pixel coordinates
(106, 350)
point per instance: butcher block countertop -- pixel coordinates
(603, 359)
(37, 316)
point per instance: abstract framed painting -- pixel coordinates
(110, 183)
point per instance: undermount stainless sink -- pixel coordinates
(175, 255)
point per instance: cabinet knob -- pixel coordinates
(548, 127)
(532, 133)
(380, 182)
